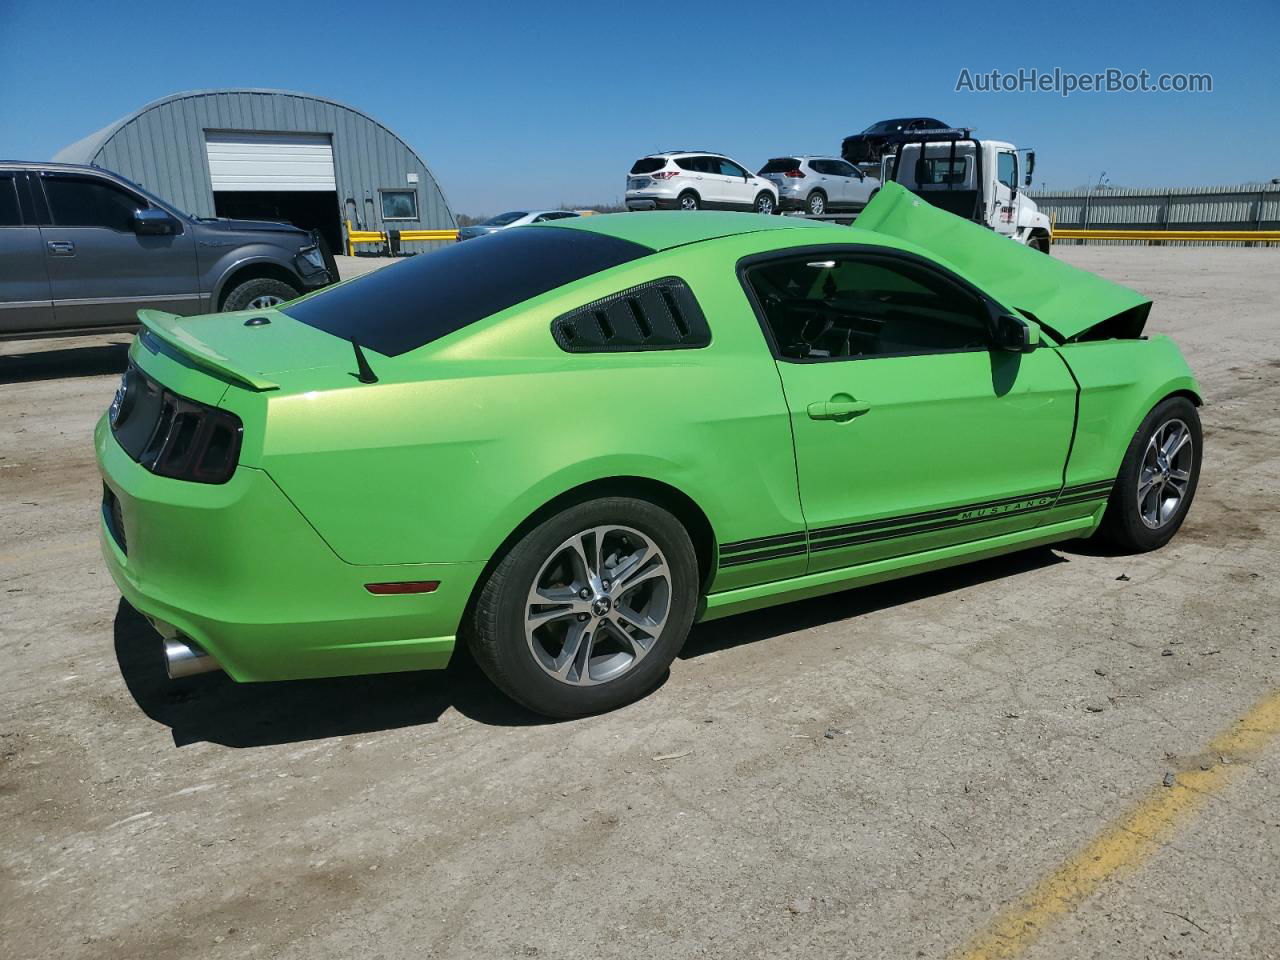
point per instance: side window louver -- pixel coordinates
(660, 315)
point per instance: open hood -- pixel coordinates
(1066, 301)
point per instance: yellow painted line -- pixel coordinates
(1127, 842)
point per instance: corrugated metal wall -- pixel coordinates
(163, 148)
(1241, 207)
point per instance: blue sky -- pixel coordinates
(538, 104)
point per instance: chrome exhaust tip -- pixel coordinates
(182, 658)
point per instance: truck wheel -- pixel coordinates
(816, 205)
(588, 609)
(1157, 478)
(262, 293)
(689, 201)
(1039, 243)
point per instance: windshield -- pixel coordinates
(502, 219)
(408, 304)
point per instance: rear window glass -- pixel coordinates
(502, 219)
(648, 164)
(404, 306)
(780, 165)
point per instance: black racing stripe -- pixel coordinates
(797, 551)
(1083, 487)
(928, 528)
(738, 546)
(1083, 498)
(869, 525)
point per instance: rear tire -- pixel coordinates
(816, 204)
(262, 293)
(563, 654)
(765, 203)
(689, 201)
(1155, 486)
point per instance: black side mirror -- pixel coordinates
(152, 223)
(1031, 166)
(1014, 334)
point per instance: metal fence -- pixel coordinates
(1252, 207)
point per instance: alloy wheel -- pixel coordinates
(1165, 474)
(817, 206)
(598, 605)
(764, 204)
(264, 302)
(688, 202)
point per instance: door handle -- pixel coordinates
(62, 248)
(841, 408)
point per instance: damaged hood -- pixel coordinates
(1066, 301)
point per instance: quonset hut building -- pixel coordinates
(272, 155)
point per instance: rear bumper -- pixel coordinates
(652, 203)
(237, 569)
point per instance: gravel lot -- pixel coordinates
(985, 724)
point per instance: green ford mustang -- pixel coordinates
(563, 444)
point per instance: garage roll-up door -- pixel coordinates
(270, 161)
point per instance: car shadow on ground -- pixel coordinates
(213, 708)
(62, 364)
(847, 604)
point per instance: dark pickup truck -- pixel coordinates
(82, 249)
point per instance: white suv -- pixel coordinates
(693, 180)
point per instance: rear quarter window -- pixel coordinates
(648, 164)
(409, 304)
(780, 165)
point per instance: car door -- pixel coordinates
(911, 432)
(855, 189)
(100, 271)
(737, 185)
(1004, 190)
(25, 301)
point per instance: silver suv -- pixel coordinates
(819, 185)
(697, 180)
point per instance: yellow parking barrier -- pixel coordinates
(1198, 236)
(406, 236)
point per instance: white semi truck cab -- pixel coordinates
(980, 180)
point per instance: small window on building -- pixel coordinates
(399, 205)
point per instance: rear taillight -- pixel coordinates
(666, 174)
(172, 436)
(794, 173)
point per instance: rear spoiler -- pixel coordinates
(167, 327)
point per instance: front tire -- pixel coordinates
(816, 205)
(765, 203)
(1157, 479)
(588, 609)
(1040, 243)
(262, 293)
